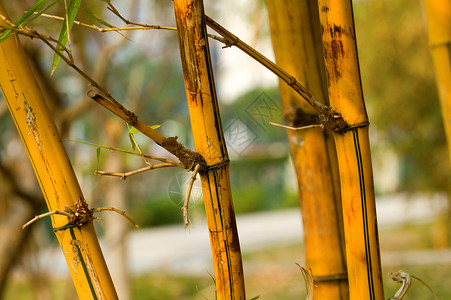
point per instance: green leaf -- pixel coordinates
(38, 13)
(98, 19)
(98, 157)
(63, 38)
(130, 136)
(132, 129)
(5, 35)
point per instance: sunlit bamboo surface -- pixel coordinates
(209, 142)
(296, 37)
(354, 158)
(53, 170)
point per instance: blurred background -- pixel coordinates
(142, 69)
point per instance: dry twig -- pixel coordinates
(78, 214)
(188, 194)
(297, 128)
(127, 174)
(309, 283)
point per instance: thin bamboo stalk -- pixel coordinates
(209, 141)
(53, 170)
(438, 15)
(296, 37)
(354, 158)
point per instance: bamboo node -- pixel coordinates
(332, 120)
(187, 157)
(131, 118)
(78, 215)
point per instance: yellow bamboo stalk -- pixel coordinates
(354, 158)
(296, 37)
(53, 170)
(438, 15)
(209, 141)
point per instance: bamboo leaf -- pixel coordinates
(132, 129)
(5, 35)
(130, 136)
(109, 148)
(63, 38)
(98, 157)
(98, 19)
(38, 13)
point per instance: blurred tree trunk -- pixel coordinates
(116, 230)
(296, 37)
(54, 172)
(13, 237)
(438, 14)
(209, 142)
(354, 158)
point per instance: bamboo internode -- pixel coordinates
(209, 142)
(56, 177)
(296, 37)
(354, 158)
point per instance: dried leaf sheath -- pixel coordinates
(53, 170)
(209, 142)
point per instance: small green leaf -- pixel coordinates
(38, 13)
(63, 38)
(132, 129)
(5, 35)
(130, 136)
(105, 23)
(98, 157)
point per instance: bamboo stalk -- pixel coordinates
(209, 141)
(296, 37)
(53, 170)
(438, 15)
(354, 158)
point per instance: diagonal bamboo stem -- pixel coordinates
(209, 141)
(53, 170)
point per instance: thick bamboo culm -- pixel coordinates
(354, 158)
(438, 14)
(53, 170)
(209, 142)
(296, 37)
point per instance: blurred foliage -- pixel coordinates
(400, 91)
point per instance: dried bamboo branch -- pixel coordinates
(94, 210)
(54, 212)
(128, 174)
(232, 40)
(297, 128)
(187, 157)
(188, 194)
(78, 215)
